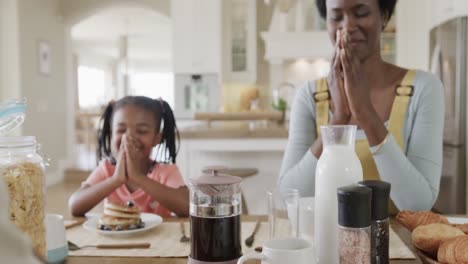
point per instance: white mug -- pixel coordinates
(56, 240)
(287, 250)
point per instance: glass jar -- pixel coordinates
(354, 224)
(380, 220)
(23, 170)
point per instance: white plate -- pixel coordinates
(150, 220)
(457, 220)
(90, 215)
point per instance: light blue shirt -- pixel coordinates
(413, 173)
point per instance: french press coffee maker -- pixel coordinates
(215, 208)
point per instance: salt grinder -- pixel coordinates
(354, 224)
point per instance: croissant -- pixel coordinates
(462, 227)
(429, 237)
(411, 220)
(454, 251)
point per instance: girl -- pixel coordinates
(130, 130)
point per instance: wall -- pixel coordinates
(2, 39)
(46, 94)
(74, 10)
(9, 52)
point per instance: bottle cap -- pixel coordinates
(380, 197)
(354, 206)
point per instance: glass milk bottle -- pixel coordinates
(338, 166)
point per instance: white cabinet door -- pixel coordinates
(240, 41)
(196, 36)
(182, 34)
(412, 36)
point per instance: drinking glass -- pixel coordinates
(306, 218)
(283, 213)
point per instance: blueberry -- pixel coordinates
(142, 225)
(118, 228)
(131, 227)
(102, 227)
(107, 228)
(130, 204)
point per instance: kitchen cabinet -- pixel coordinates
(413, 19)
(461, 7)
(263, 154)
(196, 36)
(444, 10)
(239, 41)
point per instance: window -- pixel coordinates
(153, 85)
(91, 87)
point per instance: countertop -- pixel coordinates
(226, 130)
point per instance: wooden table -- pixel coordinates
(404, 234)
(57, 197)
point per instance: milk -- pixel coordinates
(338, 166)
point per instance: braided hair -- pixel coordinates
(166, 151)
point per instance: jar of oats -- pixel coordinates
(22, 167)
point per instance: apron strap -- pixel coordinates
(403, 91)
(321, 97)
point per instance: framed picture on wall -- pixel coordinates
(44, 57)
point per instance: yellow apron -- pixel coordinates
(396, 122)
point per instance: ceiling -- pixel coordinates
(149, 34)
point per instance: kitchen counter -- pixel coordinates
(253, 129)
(236, 144)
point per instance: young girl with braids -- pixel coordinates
(130, 130)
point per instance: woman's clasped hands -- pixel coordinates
(347, 82)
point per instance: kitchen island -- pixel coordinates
(254, 144)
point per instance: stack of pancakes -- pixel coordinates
(118, 217)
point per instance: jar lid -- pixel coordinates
(354, 206)
(380, 197)
(213, 183)
(215, 179)
(17, 142)
(12, 115)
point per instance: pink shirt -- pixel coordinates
(166, 174)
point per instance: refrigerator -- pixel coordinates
(448, 45)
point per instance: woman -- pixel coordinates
(399, 112)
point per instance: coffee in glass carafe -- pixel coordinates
(215, 208)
